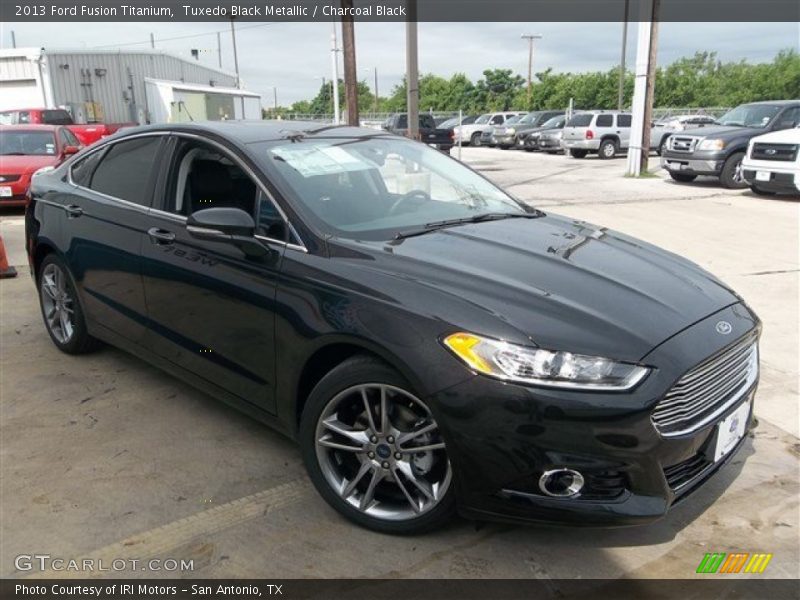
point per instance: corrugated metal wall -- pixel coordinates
(16, 67)
(75, 78)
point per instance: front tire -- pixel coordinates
(578, 153)
(475, 140)
(682, 177)
(374, 451)
(731, 176)
(61, 308)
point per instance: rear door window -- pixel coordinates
(126, 169)
(605, 120)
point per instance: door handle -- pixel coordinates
(161, 237)
(73, 211)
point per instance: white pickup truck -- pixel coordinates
(772, 163)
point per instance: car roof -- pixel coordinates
(31, 127)
(774, 102)
(247, 132)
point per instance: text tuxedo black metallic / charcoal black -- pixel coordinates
(433, 344)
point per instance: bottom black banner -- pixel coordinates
(378, 589)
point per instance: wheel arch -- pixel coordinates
(328, 353)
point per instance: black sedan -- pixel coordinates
(433, 344)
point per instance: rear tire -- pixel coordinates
(731, 176)
(61, 308)
(682, 177)
(608, 149)
(578, 153)
(344, 439)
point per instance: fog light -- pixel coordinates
(561, 483)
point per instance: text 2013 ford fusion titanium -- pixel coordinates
(431, 343)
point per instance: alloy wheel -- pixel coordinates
(380, 450)
(57, 303)
(738, 173)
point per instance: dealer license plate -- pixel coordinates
(675, 166)
(731, 430)
(763, 175)
(5, 191)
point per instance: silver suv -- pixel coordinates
(605, 132)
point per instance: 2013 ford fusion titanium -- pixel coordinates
(432, 344)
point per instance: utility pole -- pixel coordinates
(350, 74)
(235, 56)
(13, 39)
(335, 70)
(530, 37)
(152, 41)
(412, 72)
(275, 97)
(219, 49)
(376, 90)
(621, 94)
(651, 85)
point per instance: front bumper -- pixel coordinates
(505, 139)
(682, 162)
(780, 182)
(501, 437)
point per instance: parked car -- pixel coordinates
(24, 149)
(452, 123)
(606, 133)
(530, 123)
(471, 134)
(87, 134)
(666, 126)
(530, 140)
(718, 150)
(772, 163)
(428, 132)
(488, 135)
(432, 344)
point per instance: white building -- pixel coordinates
(112, 86)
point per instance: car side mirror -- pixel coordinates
(232, 225)
(70, 150)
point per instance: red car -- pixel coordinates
(24, 149)
(87, 133)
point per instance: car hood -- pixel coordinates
(564, 284)
(24, 164)
(721, 131)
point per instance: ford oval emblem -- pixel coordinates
(770, 151)
(724, 328)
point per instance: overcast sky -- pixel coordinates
(295, 56)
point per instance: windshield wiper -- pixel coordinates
(437, 225)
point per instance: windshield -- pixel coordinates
(750, 115)
(527, 118)
(39, 143)
(377, 187)
(512, 120)
(482, 119)
(450, 123)
(553, 123)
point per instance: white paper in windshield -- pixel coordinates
(319, 160)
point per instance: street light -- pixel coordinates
(530, 37)
(376, 87)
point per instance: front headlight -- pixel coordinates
(711, 144)
(547, 368)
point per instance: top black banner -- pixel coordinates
(401, 10)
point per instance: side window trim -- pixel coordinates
(292, 232)
(104, 149)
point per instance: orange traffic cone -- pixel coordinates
(5, 270)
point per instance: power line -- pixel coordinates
(182, 37)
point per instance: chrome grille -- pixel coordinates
(682, 143)
(708, 390)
